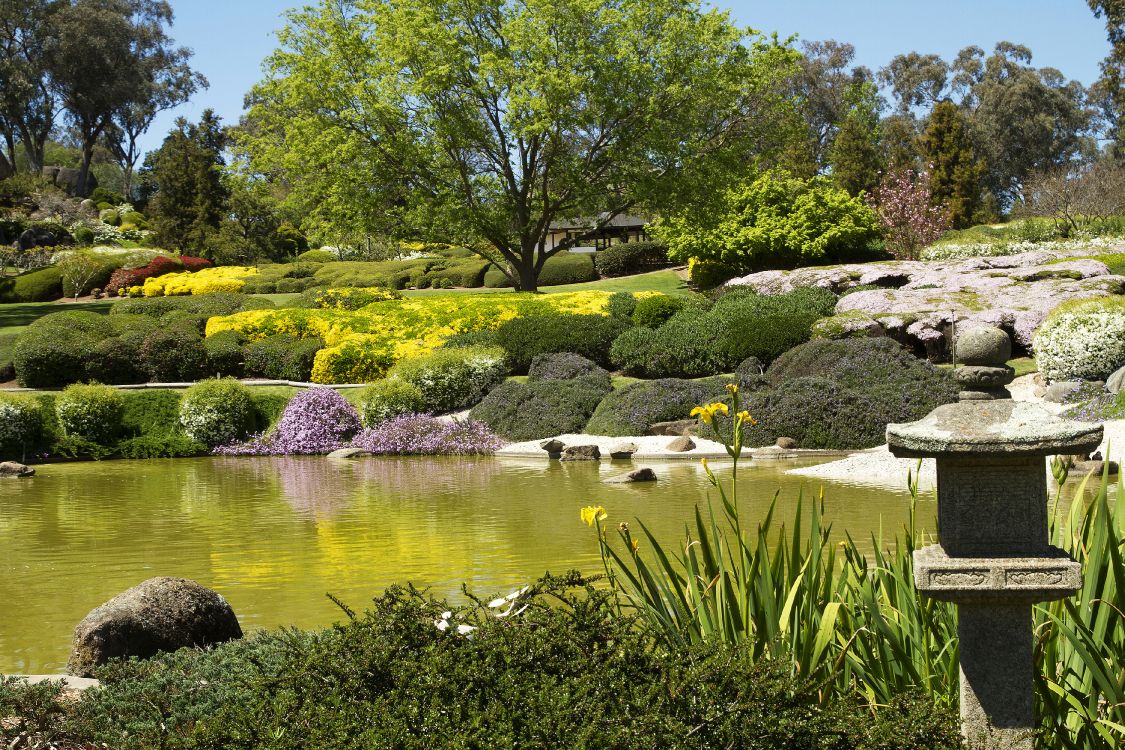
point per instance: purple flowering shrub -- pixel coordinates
(421, 434)
(318, 420)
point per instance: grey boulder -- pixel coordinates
(623, 450)
(682, 444)
(786, 443)
(553, 447)
(341, 453)
(160, 614)
(1116, 381)
(643, 474)
(581, 453)
(1058, 392)
(676, 427)
(15, 469)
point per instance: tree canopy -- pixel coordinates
(482, 123)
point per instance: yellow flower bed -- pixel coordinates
(205, 281)
(362, 345)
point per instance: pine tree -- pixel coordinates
(855, 155)
(956, 173)
(191, 199)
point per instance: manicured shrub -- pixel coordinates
(172, 355)
(225, 355)
(389, 398)
(318, 256)
(564, 268)
(540, 408)
(631, 258)
(21, 425)
(288, 286)
(588, 335)
(348, 298)
(621, 305)
(817, 413)
(268, 408)
(1082, 339)
(655, 310)
(282, 357)
(217, 412)
(567, 366)
(259, 286)
(630, 410)
(126, 278)
(43, 285)
(90, 412)
(452, 379)
(114, 361)
(136, 218)
(470, 338)
(467, 272)
(394, 274)
(83, 235)
(54, 350)
(151, 411)
(7, 356)
(684, 347)
(210, 305)
(423, 435)
(105, 195)
(317, 420)
(191, 263)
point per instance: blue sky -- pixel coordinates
(232, 37)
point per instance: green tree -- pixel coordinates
(191, 197)
(28, 103)
(481, 123)
(855, 155)
(773, 221)
(1110, 88)
(956, 173)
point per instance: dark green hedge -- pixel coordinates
(540, 408)
(43, 285)
(282, 357)
(588, 335)
(564, 268)
(566, 673)
(630, 410)
(632, 258)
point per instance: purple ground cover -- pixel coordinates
(420, 434)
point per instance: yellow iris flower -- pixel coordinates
(593, 513)
(745, 418)
(707, 412)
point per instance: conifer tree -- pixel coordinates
(956, 174)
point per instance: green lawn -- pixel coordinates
(666, 281)
(17, 316)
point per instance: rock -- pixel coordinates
(1058, 392)
(643, 474)
(348, 453)
(677, 427)
(581, 453)
(987, 345)
(786, 443)
(682, 444)
(623, 450)
(1116, 381)
(15, 469)
(553, 447)
(67, 179)
(979, 377)
(160, 614)
(43, 237)
(1082, 468)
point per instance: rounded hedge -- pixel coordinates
(563, 268)
(52, 357)
(631, 258)
(114, 361)
(655, 310)
(452, 379)
(224, 354)
(630, 410)
(217, 412)
(621, 305)
(817, 413)
(172, 355)
(21, 424)
(1082, 340)
(43, 285)
(588, 335)
(540, 408)
(282, 357)
(90, 412)
(567, 366)
(389, 398)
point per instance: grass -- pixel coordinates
(1115, 261)
(16, 316)
(666, 282)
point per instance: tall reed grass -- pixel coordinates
(854, 622)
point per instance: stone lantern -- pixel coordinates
(994, 559)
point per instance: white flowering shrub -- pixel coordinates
(451, 379)
(217, 412)
(1082, 340)
(92, 412)
(21, 423)
(961, 250)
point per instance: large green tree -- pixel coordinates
(956, 173)
(482, 122)
(29, 104)
(191, 197)
(1109, 90)
(855, 155)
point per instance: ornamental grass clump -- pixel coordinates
(1082, 339)
(217, 412)
(423, 435)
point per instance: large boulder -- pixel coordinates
(1115, 382)
(67, 179)
(15, 469)
(160, 614)
(43, 236)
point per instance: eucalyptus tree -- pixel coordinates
(482, 122)
(29, 105)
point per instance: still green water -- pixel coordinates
(273, 535)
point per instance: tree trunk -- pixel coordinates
(528, 277)
(82, 189)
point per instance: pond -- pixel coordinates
(273, 535)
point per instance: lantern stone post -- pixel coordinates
(994, 559)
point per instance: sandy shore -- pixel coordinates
(648, 447)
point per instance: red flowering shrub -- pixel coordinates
(123, 278)
(191, 263)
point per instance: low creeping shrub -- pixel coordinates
(540, 408)
(630, 410)
(423, 435)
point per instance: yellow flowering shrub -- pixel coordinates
(205, 281)
(362, 345)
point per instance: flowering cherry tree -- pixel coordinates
(909, 219)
